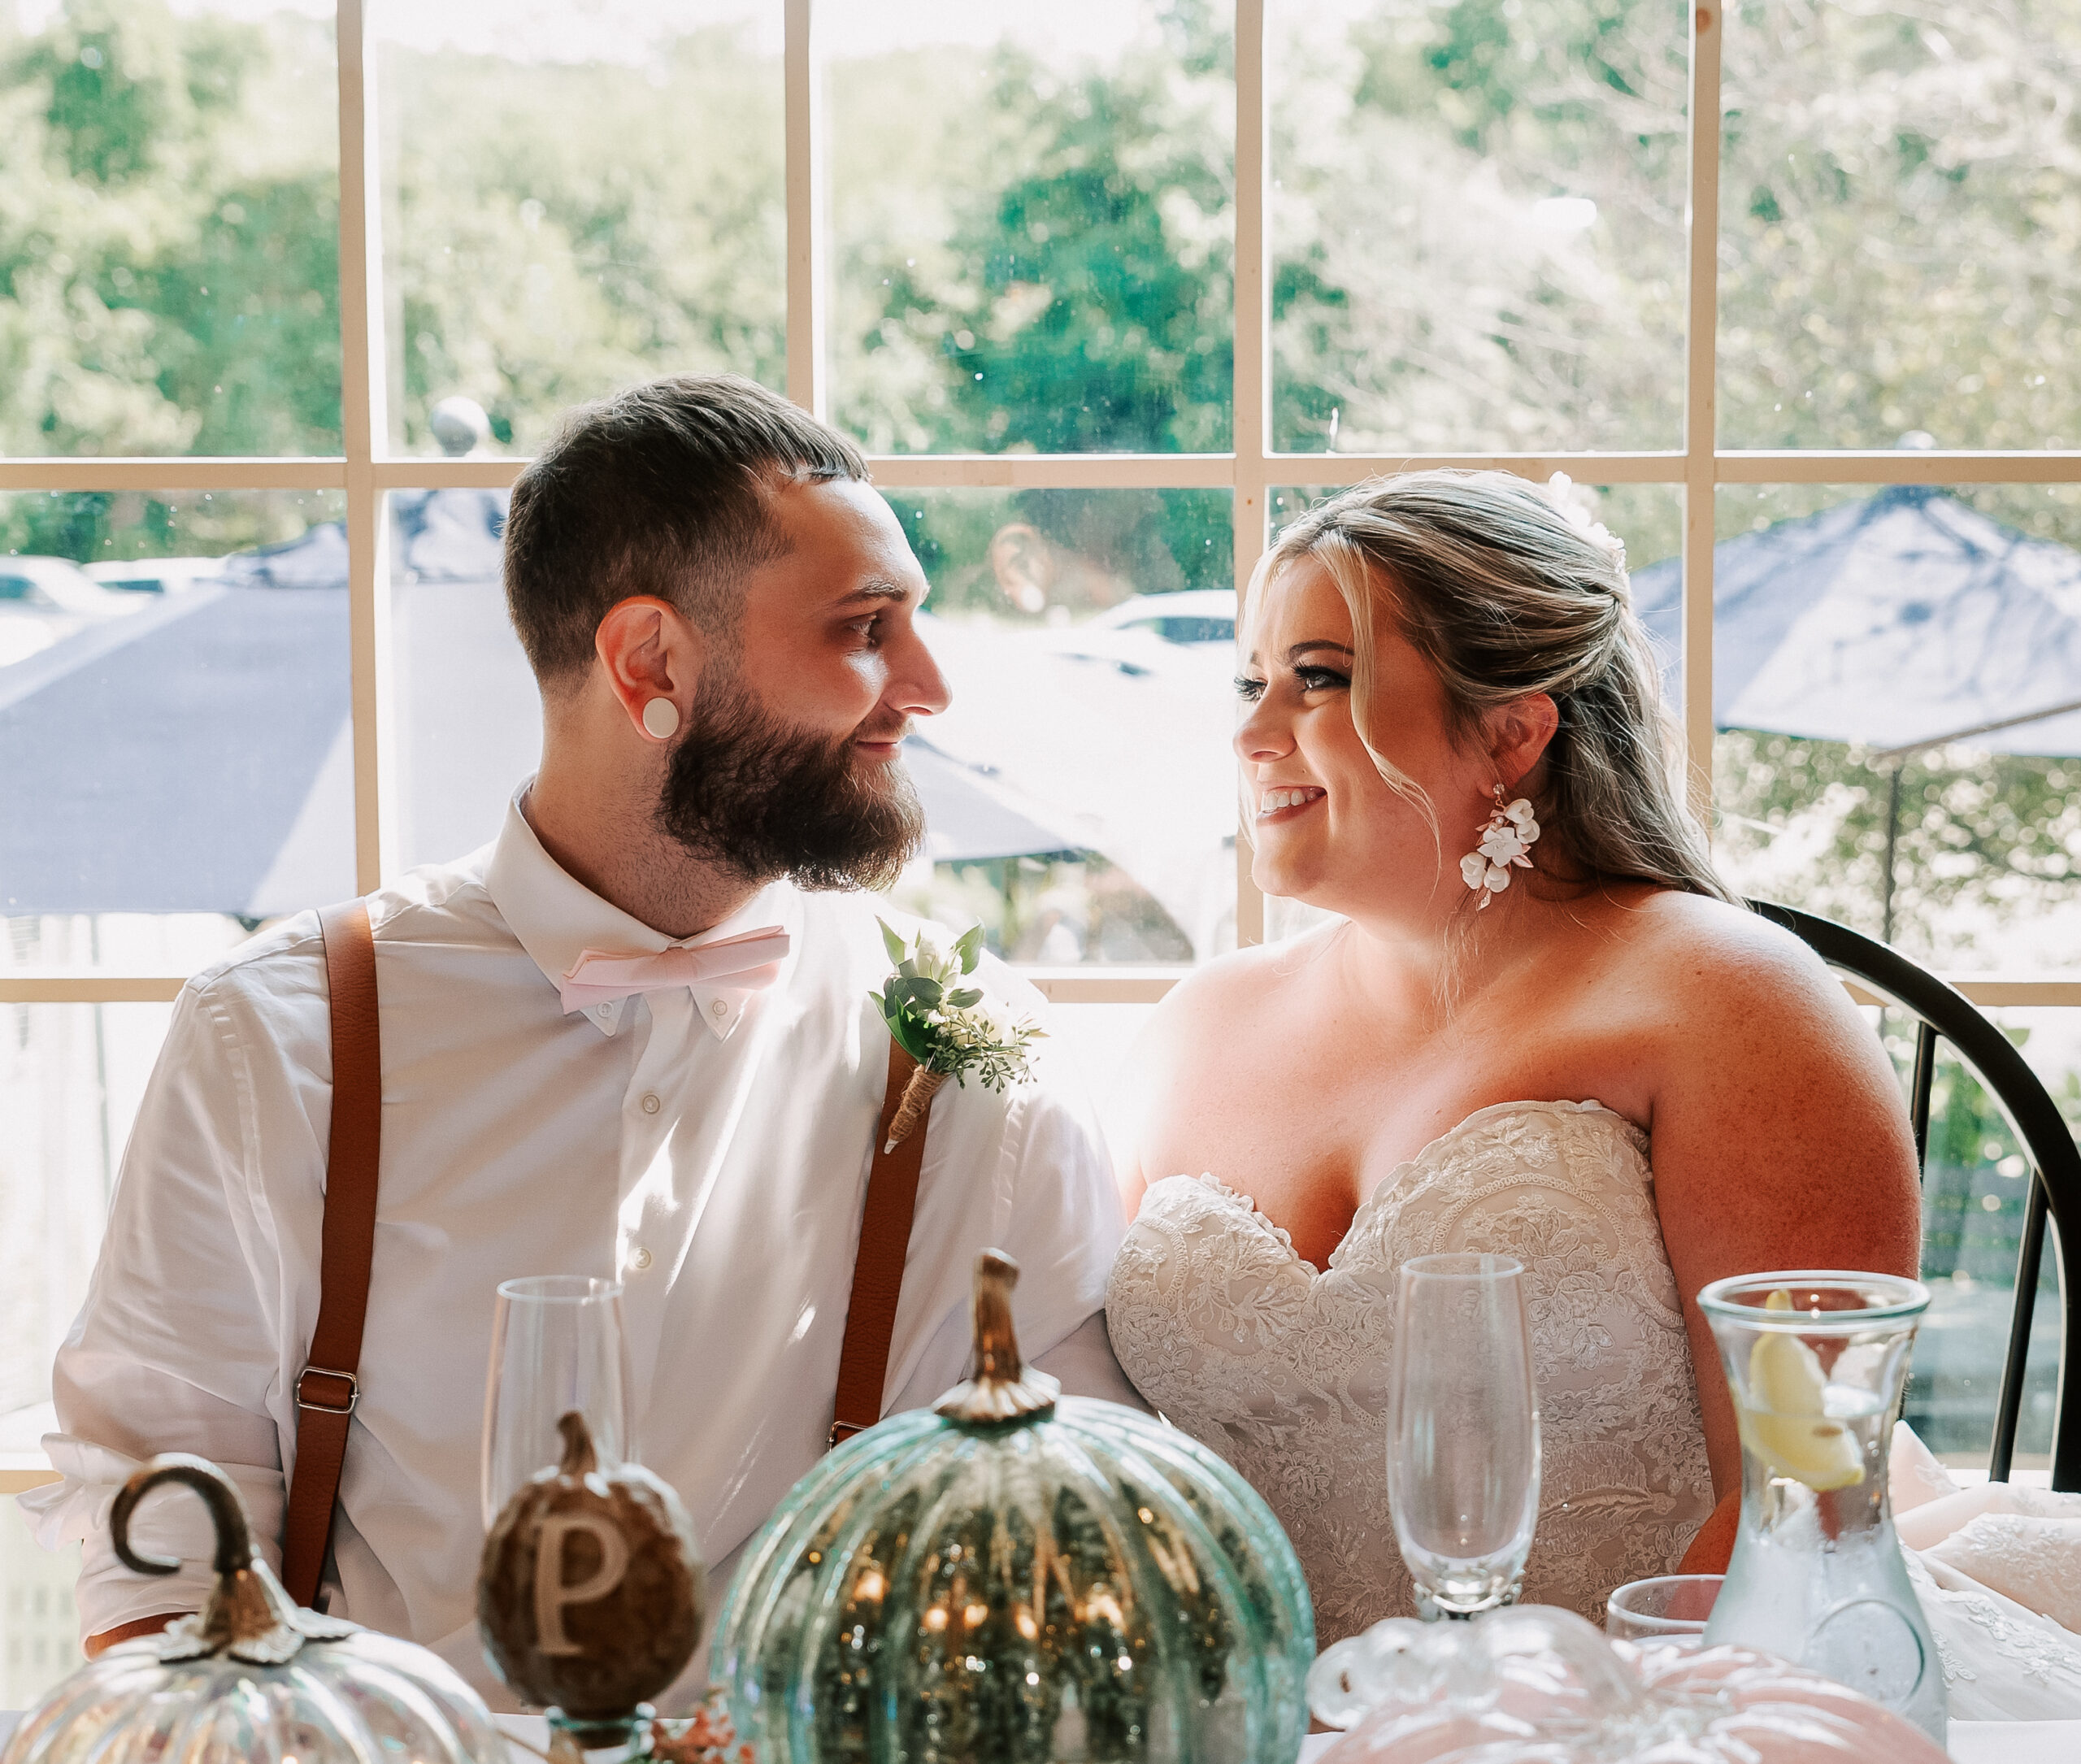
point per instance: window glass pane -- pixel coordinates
(1080, 793)
(575, 198)
(1974, 1195)
(1896, 208)
(70, 1077)
(39, 1638)
(169, 252)
(467, 736)
(1478, 224)
(174, 738)
(1033, 225)
(1862, 641)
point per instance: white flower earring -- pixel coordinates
(1505, 837)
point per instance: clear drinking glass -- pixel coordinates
(1462, 1430)
(1664, 1609)
(556, 1346)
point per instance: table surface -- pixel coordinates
(1972, 1742)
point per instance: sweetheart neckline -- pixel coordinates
(1206, 1178)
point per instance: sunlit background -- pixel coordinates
(1479, 226)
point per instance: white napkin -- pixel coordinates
(1998, 1570)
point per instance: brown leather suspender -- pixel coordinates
(327, 1389)
(878, 1268)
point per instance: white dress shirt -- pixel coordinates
(708, 1148)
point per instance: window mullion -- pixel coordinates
(1252, 403)
(1700, 343)
(365, 422)
(808, 213)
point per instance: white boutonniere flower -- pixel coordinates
(952, 1031)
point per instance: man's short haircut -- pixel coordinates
(656, 490)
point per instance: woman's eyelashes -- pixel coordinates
(1309, 679)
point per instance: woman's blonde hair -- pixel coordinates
(1504, 595)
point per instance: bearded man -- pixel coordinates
(719, 612)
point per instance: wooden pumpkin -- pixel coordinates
(589, 1593)
(253, 1678)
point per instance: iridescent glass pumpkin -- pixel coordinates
(1018, 1576)
(252, 1678)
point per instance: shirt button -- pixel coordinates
(651, 1104)
(639, 1258)
(720, 1008)
(603, 1010)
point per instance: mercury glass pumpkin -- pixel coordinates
(1018, 1576)
(1538, 1685)
(252, 1679)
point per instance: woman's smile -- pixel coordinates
(1286, 803)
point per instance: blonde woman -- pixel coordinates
(1539, 1024)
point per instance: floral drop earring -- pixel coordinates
(1505, 837)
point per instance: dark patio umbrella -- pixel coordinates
(1903, 621)
(164, 762)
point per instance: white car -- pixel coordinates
(43, 600)
(1191, 615)
(156, 576)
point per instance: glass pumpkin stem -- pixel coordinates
(1002, 1388)
(227, 1513)
(248, 1615)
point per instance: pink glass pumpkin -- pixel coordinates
(1537, 1685)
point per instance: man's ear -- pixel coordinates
(1024, 565)
(1518, 735)
(651, 654)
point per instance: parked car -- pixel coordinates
(156, 576)
(1191, 615)
(43, 600)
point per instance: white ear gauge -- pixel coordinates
(660, 719)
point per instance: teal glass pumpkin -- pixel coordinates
(1018, 1576)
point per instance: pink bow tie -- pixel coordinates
(747, 963)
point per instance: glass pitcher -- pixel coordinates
(1816, 1362)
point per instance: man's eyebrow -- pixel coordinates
(1300, 650)
(874, 590)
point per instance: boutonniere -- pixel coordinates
(951, 1030)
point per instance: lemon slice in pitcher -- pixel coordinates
(1784, 1416)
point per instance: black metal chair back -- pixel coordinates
(1943, 1014)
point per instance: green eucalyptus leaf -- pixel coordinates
(969, 947)
(897, 950)
(967, 996)
(924, 992)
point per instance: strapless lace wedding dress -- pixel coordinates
(1282, 1370)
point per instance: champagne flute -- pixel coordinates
(556, 1346)
(1462, 1429)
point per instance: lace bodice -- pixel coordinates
(1283, 1369)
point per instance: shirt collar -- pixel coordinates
(556, 919)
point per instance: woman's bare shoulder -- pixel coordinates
(1706, 953)
(1250, 980)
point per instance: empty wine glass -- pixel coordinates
(556, 1346)
(1462, 1429)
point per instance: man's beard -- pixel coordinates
(744, 790)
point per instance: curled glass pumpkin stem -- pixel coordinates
(248, 1615)
(1003, 1387)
